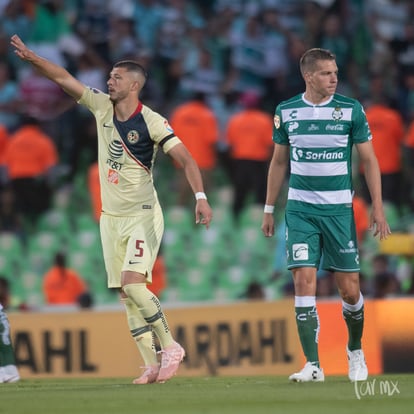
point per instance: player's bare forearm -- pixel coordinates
(50, 70)
(45, 67)
(181, 155)
(203, 210)
(275, 179)
(277, 172)
(378, 221)
(274, 183)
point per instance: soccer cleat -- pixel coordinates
(309, 373)
(171, 357)
(9, 373)
(358, 370)
(149, 376)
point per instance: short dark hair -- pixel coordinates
(132, 66)
(311, 56)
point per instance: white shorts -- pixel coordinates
(131, 243)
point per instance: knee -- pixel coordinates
(348, 287)
(350, 296)
(305, 283)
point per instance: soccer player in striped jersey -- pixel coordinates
(315, 132)
(131, 223)
(8, 369)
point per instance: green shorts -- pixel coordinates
(4, 331)
(326, 242)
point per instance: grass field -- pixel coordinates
(218, 395)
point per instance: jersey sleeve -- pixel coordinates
(95, 100)
(279, 133)
(360, 128)
(162, 133)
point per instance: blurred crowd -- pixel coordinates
(232, 52)
(232, 61)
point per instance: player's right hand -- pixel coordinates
(203, 213)
(268, 225)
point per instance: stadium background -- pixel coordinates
(215, 267)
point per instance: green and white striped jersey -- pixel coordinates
(321, 139)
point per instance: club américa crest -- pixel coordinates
(133, 136)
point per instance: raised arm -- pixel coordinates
(49, 69)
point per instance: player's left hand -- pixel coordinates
(203, 213)
(21, 49)
(378, 224)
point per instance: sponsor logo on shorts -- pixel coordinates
(300, 251)
(351, 248)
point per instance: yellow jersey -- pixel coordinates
(126, 154)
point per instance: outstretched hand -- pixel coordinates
(203, 213)
(21, 49)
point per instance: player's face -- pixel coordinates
(120, 84)
(324, 80)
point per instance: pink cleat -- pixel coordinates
(149, 376)
(171, 357)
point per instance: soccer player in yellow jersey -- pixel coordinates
(131, 223)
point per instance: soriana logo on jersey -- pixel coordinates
(113, 176)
